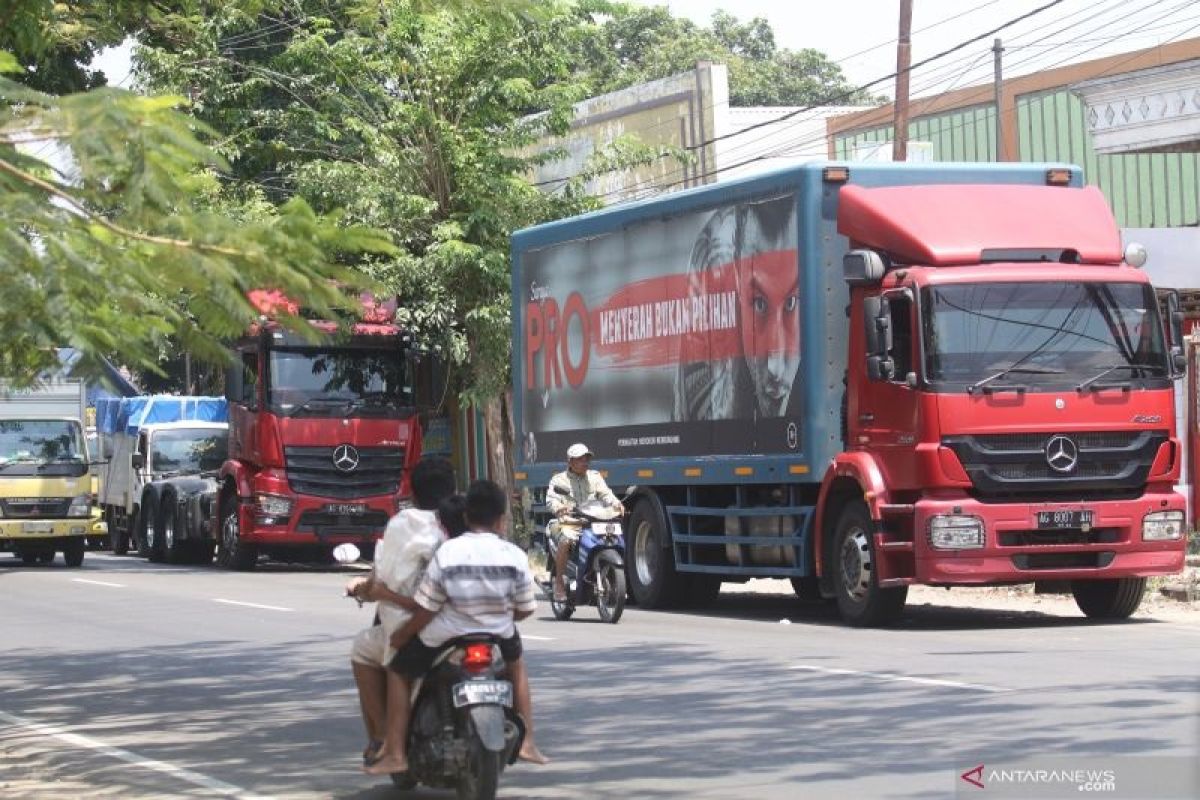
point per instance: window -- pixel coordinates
(250, 378)
(900, 307)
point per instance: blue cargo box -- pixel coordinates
(129, 414)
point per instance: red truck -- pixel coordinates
(322, 438)
(861, 377)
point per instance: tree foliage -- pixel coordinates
(114, 234)
(631, 44)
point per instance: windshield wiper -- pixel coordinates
(323, 403)
(1083, 387)
(974, 387)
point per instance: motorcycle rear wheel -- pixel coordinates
(481, 778)
(610, 587)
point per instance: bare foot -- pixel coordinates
(529, 752)
(560, 592)
(386, 765)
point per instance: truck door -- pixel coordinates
(243, 410)
(888, 409)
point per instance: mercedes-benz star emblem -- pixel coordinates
(345, 458)
(1062, 454)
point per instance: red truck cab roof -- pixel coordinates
(956, 225)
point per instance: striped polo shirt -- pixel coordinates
(474, 584)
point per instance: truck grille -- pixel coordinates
(1015, 466)
(311, 471)
(36, 507)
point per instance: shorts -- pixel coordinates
(414, 659)
(370, 646)
(560, 533)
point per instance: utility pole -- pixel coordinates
(900, 107)
(997, 49)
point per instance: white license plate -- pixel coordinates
(607, 528)
(473, 693)
(37, 527)
(349, 509)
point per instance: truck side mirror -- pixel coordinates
(863, 267)
(877, 319)
(138, 460)
(1175, 332)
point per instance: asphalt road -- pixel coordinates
(131, 680)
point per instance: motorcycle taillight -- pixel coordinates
(477, 657)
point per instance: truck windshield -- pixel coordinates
(1051, 335)
(42, 447)
(185, 451)
(340, 382)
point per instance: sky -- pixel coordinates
(861, 34)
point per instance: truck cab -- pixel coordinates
(45, 491)
(322, 438)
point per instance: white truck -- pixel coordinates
(45, 490)
(149, 439)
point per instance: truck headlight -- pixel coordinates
(81, 506)
(955, 532)
(273, 505)
(1162, 526)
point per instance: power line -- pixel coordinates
(983, 92)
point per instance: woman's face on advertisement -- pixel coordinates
(770, 317)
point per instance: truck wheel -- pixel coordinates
(232, 552)
(860, 600)
(46, 557)
(28, 558)
(653, 581)
(147, 519)
(1116, 598)
(174, 547)
(118, 538)
(73, 551)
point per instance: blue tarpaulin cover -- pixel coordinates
(128, 414)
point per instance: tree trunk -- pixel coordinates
(497, 444)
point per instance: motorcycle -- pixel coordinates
(464, 730)
(595, 572)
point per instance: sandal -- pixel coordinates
(371, 754)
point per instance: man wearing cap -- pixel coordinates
(568, 490)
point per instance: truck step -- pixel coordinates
(892, 546)
(892, 583)
(896, 508)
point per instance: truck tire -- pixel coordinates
(118, 537)
(650, 561)
(174, 547)
(1116, 598)
(232, 552)
(147, 521)
(861, 602)
(73, 550)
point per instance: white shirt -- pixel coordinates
(408, 544)
(474, 584)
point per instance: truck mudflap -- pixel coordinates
(1025, 542)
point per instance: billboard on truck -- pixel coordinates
(676, 335)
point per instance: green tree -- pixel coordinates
(631, 44)
(114, 233)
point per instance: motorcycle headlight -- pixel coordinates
(1162, 526)
(81, 506)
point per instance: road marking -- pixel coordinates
(99, 583)
(537, 638)
(194, 778)
(252, 605)
(888, 676)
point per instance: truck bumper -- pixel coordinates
(43, 528)
(312, 522)
(1017, 551)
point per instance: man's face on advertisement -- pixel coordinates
(770, 317)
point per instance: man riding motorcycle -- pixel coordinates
(567, 491)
